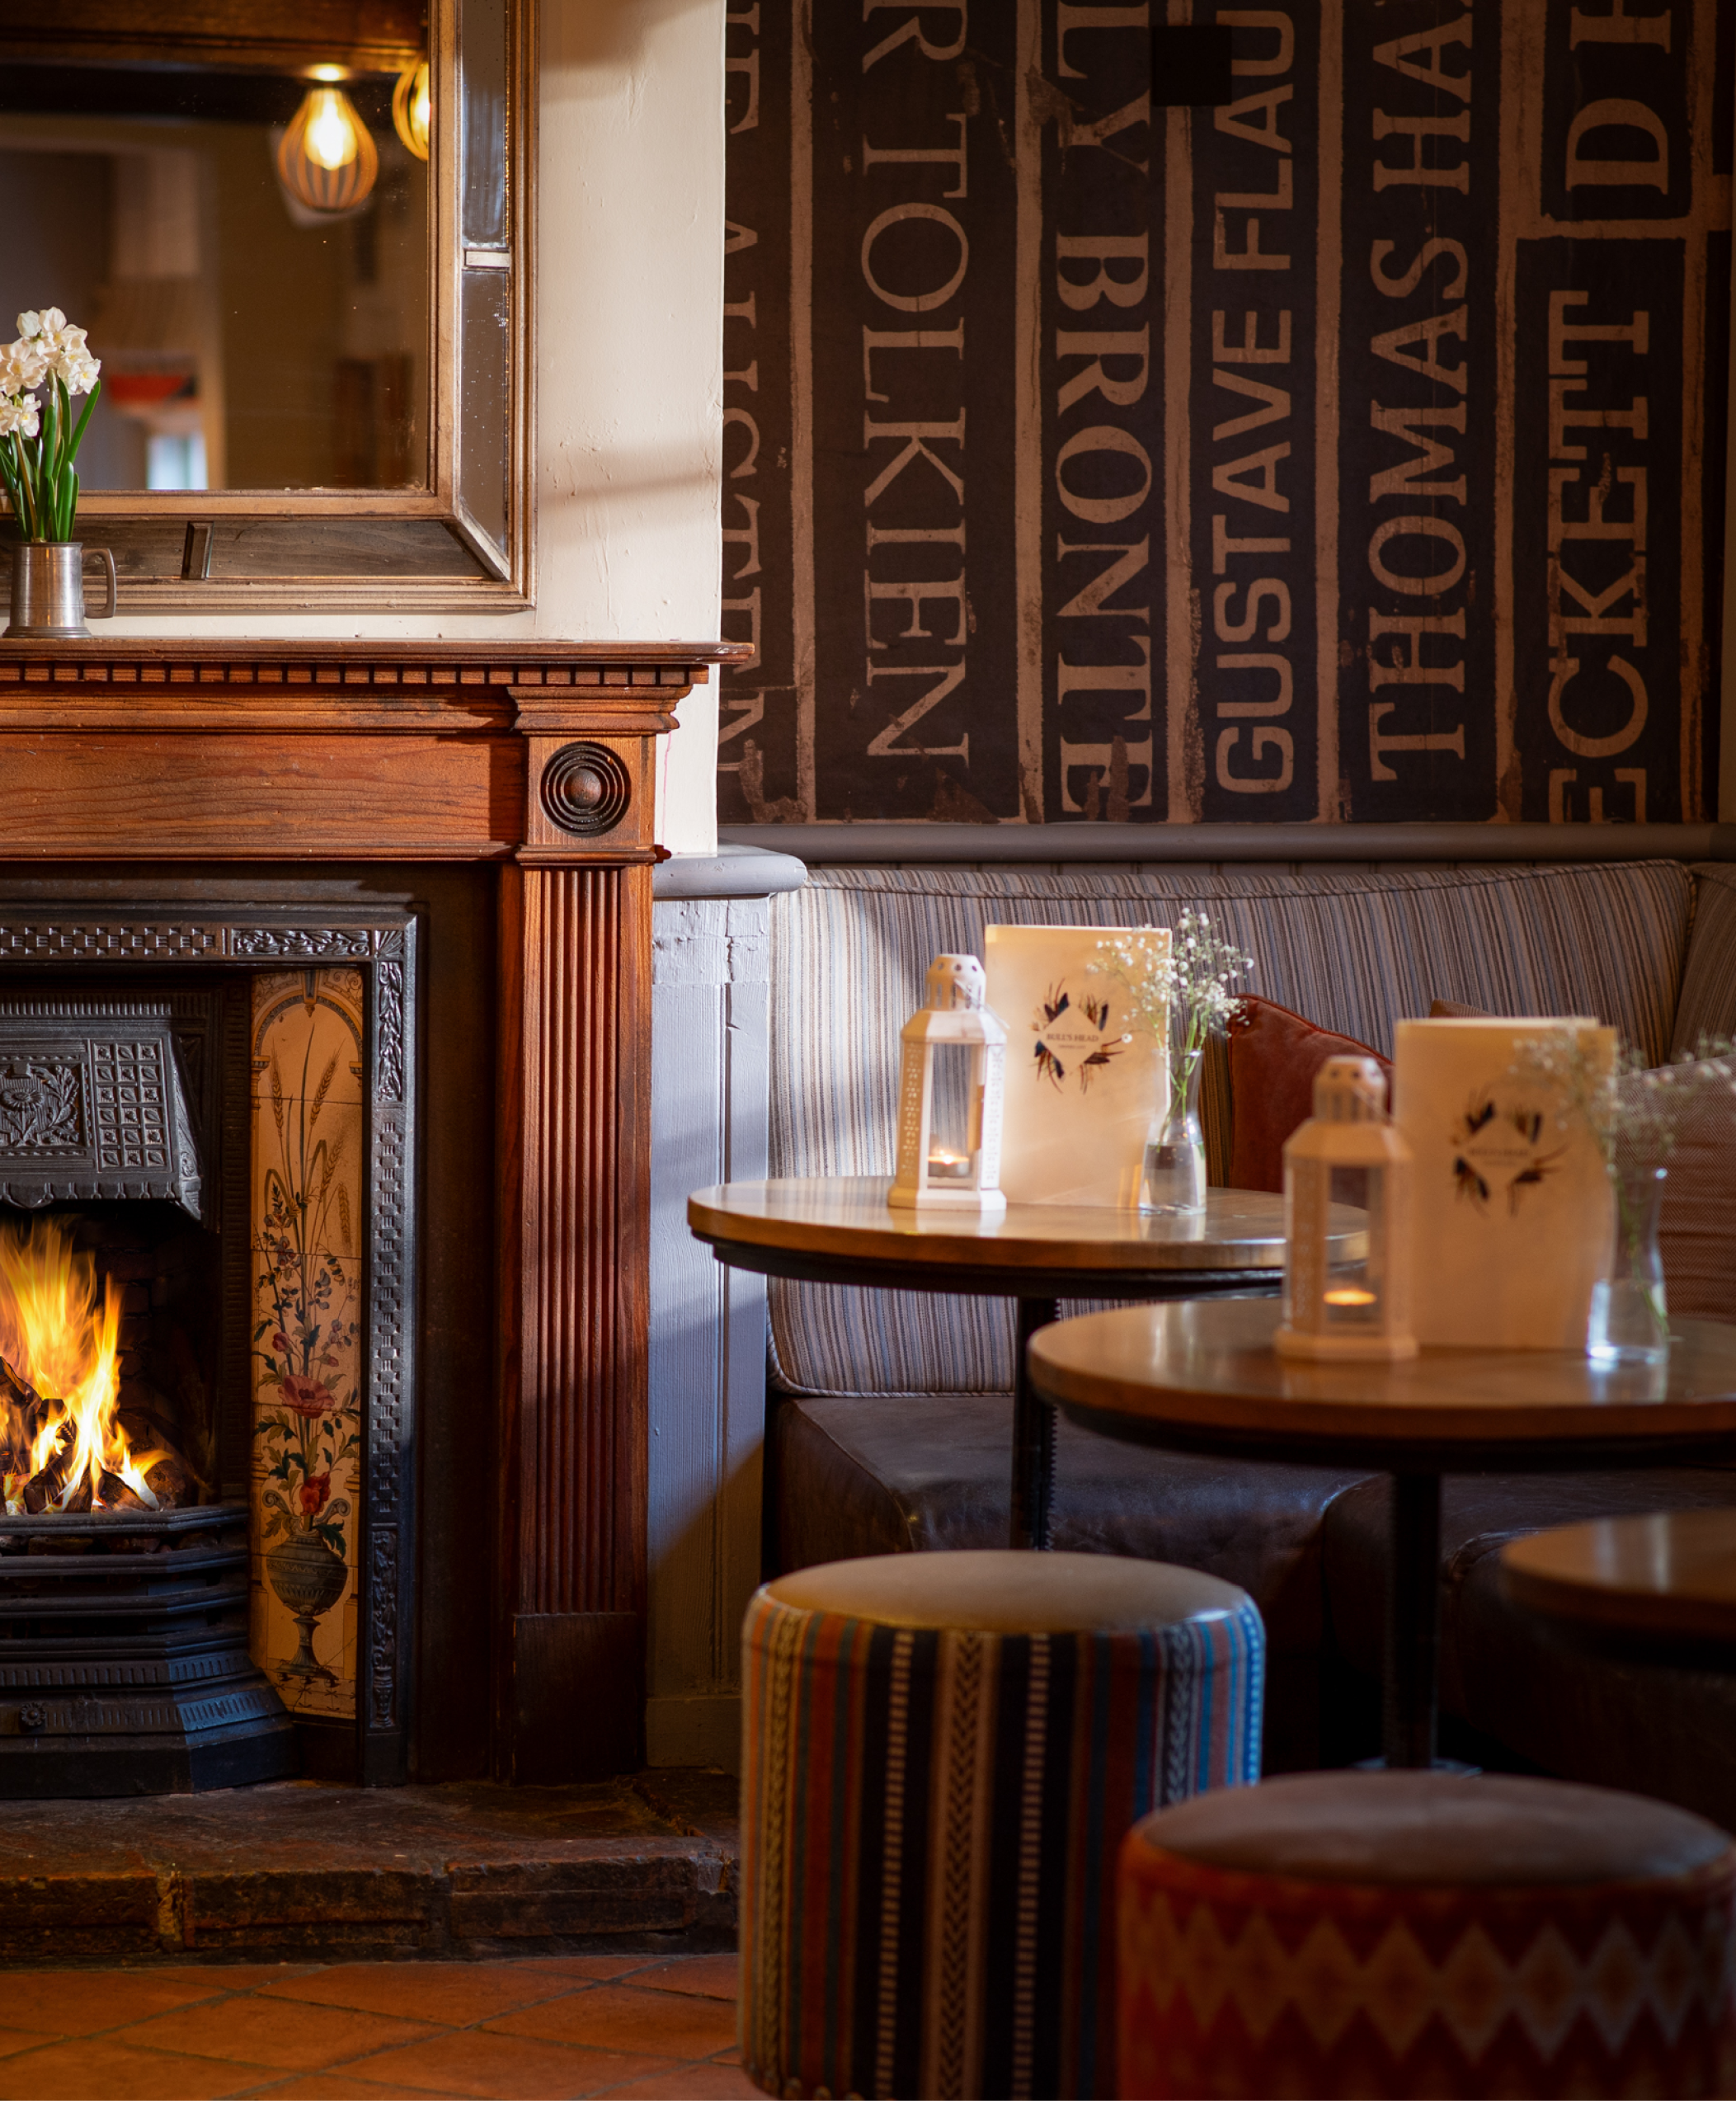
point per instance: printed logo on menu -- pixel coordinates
(1498, 1150)
(1074, 1038)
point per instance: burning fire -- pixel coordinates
(61, 1445)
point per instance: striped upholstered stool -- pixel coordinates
(1405, 1935)
(943, 1754)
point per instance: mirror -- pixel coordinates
(303, 381)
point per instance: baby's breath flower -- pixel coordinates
(1633, 1112)
(1184, 987)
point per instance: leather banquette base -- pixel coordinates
(859, 1476)
(873, 1475)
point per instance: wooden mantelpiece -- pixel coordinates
(329, 751)
(537, 756)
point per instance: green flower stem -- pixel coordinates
(40, 475)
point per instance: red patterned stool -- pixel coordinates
(943, 1752)
(1400, 1935)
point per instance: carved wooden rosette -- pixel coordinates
(538, 757)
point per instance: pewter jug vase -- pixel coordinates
(48, 590)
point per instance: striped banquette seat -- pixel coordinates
(862, 1461)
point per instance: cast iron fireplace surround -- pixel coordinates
(173, 941)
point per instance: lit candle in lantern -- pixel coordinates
(943, 1161)
(953, 1053)
(1347, 1298)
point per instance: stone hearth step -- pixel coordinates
(310, 1870)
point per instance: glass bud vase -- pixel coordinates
(1630, 1322)
(1175, 1179)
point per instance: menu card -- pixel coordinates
(1083, 1080)
(1511, 1212)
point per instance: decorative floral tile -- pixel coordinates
(307, 1192)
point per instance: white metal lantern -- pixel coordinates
(950, 1085)
(1352, 1302)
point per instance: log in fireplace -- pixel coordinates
(359, 932)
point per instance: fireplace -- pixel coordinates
(421, 1512)
(124, 1566)
(203, 1173)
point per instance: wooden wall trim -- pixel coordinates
(919, 846)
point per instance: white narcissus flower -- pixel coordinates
(67, 358)
(18, 415)
(48, 343)
(77, 368)
(23, 365)
(42, 480)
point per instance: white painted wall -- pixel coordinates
(630, 366)
(709, 1009)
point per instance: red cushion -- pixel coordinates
(1274, 1056)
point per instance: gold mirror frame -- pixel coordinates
(360, 551)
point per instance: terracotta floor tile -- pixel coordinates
(291, 2036)
(337, 2083)
(628, 2020)
(76, 2003)
(486, 2064)
(718, 1975)
(103, 2067)
(584, 1968)
(708, 2079)
(20, 2041)
(223, 1979)
(436, 1993)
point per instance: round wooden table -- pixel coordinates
(1206, 1378)
(1659, 1573)
(839, 1230)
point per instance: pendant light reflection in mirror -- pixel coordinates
(326, 159)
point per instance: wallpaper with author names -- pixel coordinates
(1353, 449)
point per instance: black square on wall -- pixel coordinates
(1190, 64)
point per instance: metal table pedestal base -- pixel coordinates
(1034, 1436)
(1413, 1623)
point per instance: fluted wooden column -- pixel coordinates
(574, 1155)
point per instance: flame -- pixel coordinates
(59, 1331)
